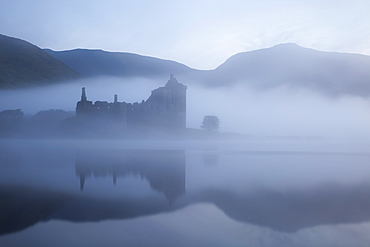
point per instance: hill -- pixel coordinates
(23, 64)
(294, 66)
(282, 65)
(90, 63)
(288, 65)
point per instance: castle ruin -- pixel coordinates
(165, 108)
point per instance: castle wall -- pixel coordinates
(165, 108)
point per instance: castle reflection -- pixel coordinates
(36, 185)
(164, 170)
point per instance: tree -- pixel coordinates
(210, 123)
(54, 116)
(12, 115)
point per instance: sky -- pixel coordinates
(199, 33)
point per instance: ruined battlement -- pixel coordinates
(165, 108)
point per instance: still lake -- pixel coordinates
(257, 192)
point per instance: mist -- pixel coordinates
(278, 112)
(65, 95)
(282, 186)
(281, 111)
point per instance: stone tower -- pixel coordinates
(84, 107)
(168, 105)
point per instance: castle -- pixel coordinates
(165, 108)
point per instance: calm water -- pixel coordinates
(136, 193)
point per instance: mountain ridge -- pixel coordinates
(287, 65)
(23, 64)
(96, 62)
(293, 65)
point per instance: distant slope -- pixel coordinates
(23, 64)
(282, 65)
(90, 63)
(295, 66)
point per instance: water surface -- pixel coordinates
(257, 192)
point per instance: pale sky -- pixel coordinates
(199, 33)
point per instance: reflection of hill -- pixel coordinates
(289, 212)
(165, 170)
(284, 212)
(22, 207)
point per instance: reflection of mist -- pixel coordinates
(210, 158)
(9, 157)
(285, 191)
(164, 170)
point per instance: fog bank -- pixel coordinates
(278, 112)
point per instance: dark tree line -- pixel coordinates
(14, 123)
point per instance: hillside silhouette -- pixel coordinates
(295, 66)
(90, 63)
(285, 65)
(23, 64)
(288, 65)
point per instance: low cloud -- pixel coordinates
(281, 111)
